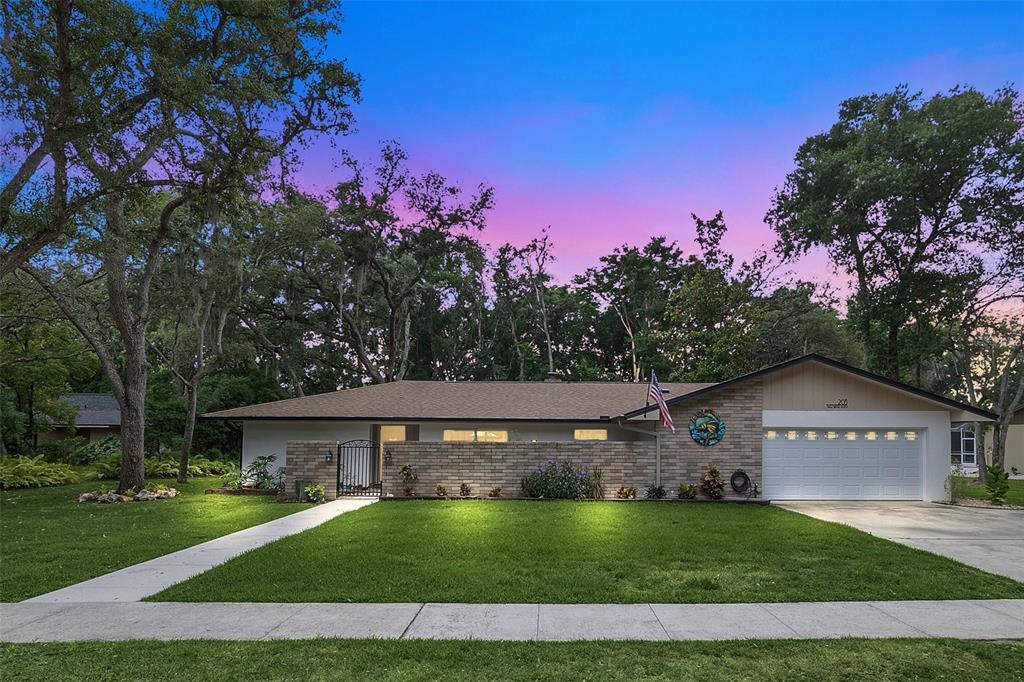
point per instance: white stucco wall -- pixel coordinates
(271, 437)
(933, 425)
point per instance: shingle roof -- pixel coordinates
(94, 409)
(476, 400)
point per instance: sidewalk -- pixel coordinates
(41, 622)
(139, 581)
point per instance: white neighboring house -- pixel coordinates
(965, 446)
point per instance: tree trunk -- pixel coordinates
(133, 438)
(192, 397)
(999, 440)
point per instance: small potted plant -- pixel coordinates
(409, 477)
(441, 491)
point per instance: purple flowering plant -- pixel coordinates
(562, 480)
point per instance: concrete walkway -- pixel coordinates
(983, 619)
(139, 581)
(989, 539)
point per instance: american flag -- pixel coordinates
(654, 392)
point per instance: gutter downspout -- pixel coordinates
(657, 445)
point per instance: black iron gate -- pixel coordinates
(359, 468)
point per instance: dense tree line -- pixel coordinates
(155, 245)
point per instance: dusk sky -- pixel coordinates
(613, 122)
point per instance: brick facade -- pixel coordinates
(740, 406)
(307, 462)
(489, 465)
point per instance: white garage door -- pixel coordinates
(814, 464)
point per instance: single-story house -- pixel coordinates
(97, 415)
(965, 446)
(808, 428)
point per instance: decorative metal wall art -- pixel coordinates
(707, 428)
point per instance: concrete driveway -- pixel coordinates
(989, 539)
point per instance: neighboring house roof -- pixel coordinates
(463, 400)
(94, 409)
(520, 400)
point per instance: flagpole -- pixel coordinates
(657, 436)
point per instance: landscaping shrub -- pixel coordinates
(259, 475)
(561, 480)
(655, 492)
(315, 493)
(34, 472)
(212, 467)
(998, 484)
(409, 477)
(626, 493)
(596, 491)
(441, 491)
(495, 492)
(687, 491)
(711, 483)
(465, 490)
(109, 467)
(88, 453)
(58, 450)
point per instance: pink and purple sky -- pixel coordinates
(613, 122)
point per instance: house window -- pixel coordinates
(871, 435)
(910, 435)
(891, 435)
(812, 435)
(590, 434)
(771, 435)
(791, 435)
(480, 436)
(831, 435)
(851, 435)
(963, 446)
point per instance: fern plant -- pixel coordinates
(34, 472)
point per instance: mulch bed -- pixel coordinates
(980, 504)
(242, 491)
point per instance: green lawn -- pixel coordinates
(1015, 496)
(311, 660)
(48, 540)
(584, 552)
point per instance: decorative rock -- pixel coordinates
(141, 496)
